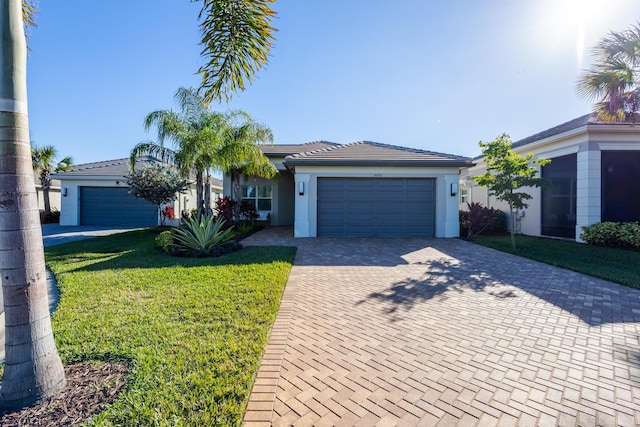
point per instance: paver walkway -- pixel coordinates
(443, 332)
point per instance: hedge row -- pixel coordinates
(613, 234)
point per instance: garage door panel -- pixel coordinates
(359, 196)
(392, 196)
(331, 206)
(376, 207)
(420, 183)
(359, 205)
(115, 206)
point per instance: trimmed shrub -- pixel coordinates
(479, 219)
(164, 241)
(613, 234)
(52, 217)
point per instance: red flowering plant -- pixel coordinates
(167, 213)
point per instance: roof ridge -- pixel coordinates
(411, 149)
(335, 146)
(106, 163)
(320, 141)
(584, 120)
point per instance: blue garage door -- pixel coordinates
(115, 206)
(376, 207)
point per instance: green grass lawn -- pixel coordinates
(616, 265)
(193, 330)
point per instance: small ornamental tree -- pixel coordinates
(508, 172)
(156, 184)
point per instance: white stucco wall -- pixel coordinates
(587, 143)
(54, 198)
(306, 205)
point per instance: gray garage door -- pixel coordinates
(376, 207)
(115, 206)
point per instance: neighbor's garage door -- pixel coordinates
(115, 206)
(376, 207)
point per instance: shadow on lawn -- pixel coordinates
(145, 258)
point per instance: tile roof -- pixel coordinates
(587, 120)
(282, 150)
(117, 168)
(367, 153)
(557, 130)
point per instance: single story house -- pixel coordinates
(594, 175)
(97, 194)
(358, 189)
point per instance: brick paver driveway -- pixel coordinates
(444, 332)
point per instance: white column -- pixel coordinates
(301, 226)
(588, 192)
(451, 209)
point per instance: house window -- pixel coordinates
(259, 195)
(464, 195)
(559, 199)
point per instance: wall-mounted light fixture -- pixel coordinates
(64, 192)
(301, 188)
(454, 188)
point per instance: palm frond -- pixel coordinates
(29, 12)
(624, 45)
(43, 157)
(237, 37)
(65, 164)
(151, 149)
(614, 78)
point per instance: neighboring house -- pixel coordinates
(97, 194)
(54, 193)
(594, 172)
(358, 189)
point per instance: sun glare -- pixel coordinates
(570, 23)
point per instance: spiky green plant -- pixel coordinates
(202, 234)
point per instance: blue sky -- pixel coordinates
(438, 76)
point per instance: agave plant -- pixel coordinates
(202, 234)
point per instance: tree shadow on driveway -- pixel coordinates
(594, 301)
(440, 278)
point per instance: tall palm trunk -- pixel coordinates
(45, 183)
(207, 192)
(199, 193)
(33, 369)
(236, 193)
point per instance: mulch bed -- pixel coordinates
(91, 386)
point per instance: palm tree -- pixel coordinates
(237, 36)
(614, 80)
(33, 369)
(194, 132)
(205, 140)
(239, 151)
(43, 159)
